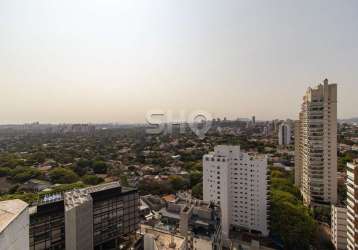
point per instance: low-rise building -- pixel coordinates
(35, 185)
(155, 239)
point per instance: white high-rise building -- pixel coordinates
(316, 146)
(284, 134)
(239, 182)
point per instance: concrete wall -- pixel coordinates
(16, 235)
(79, 227)
(149, 242)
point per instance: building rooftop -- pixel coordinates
(9, 210)
(55, 197)
(79, 196)
(169, 198)
(75, 198)
(165, 240)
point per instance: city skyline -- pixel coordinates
(114, 61)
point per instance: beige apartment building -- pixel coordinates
(316, 146)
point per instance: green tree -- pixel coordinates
(83, 166)
(195, 177)
(5, 171)
(92, 179)
(10, 160)
(38, 157)
(290, 219)
(22, 174)
(177, 182)
(197, 191)
(100, 167)
(63, 176)
(154, 187)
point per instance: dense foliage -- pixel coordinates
(63, 176)
(290, 220)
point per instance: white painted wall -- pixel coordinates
(238, 182)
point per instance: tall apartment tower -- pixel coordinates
(316, 146)
(239, 182)
(352, 206)
(284, 134)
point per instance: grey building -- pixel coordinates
(97, 217)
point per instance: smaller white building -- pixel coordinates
(284, 134)
(14, 225)
(239, 183)
(339, 227)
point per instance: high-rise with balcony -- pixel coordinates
(316, 146)
(239, 182)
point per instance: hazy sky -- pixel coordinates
(112, 61)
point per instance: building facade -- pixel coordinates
(239, 182)
(298, 160)
(284, 134)
(339, 227)
(14, 225)
(352, 206)
(316, 146)
(98, 217)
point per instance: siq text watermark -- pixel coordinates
(162, 122)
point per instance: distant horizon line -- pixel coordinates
(142, 123)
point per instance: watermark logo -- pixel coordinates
(162, 122)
